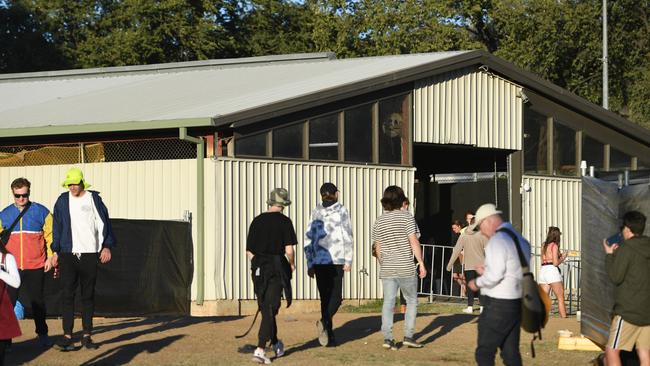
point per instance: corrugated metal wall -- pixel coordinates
(155, 190)
(552, 201)
(468, 107)
(242, 189)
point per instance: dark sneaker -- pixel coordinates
(390, 344)
(331, 341)
(65, 344)
(88, 343)
(322, 333)
(410, 342)
(44, 340)
(278, 348)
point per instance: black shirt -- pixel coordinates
(269, 233)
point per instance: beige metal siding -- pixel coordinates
(155, 190)
(242, 189)
(468, 107)
(552, 201)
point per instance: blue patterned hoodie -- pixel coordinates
(328, 239)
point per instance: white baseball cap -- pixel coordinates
(486, 210)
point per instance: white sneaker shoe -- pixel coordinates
(468, 310)
(480, 311)
(259, 356)
(278, 348)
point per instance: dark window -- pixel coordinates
(619, 160)
(324, 137)
(564, 150)
(287, 141)
(642, 163)
(592, 153)
(358, 134)
(535, 142)
(393, 130)
(253, 145)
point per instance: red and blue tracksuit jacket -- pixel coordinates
(31, 239)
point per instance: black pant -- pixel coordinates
(80, 270)
(4, 343)
(269, 306)
(31, 283)
(329, 279)
(498, 327)
(470, 275)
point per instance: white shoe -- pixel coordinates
(480, 311)
(278, 348)
(468, 310)
(259, 356)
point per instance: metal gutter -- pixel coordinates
(200, 218)
(105, 127)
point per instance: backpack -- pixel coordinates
(533, 309)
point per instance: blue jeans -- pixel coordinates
(408, 285)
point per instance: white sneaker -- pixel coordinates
(480, 311)
(278, 348)
(259, 356)
(468, 310)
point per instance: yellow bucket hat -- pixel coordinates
(74, 176)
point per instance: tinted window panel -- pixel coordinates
(358, 134)
(535, 142)
(619, 160)
(324, 137)
(254, 145)
(592, 152)
(287, 141)
(393, 130)
(564, 150)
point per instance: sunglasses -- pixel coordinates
(18, 195)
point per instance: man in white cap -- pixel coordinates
(269, 247)
(500, 286)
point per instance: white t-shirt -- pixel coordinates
(86, 230)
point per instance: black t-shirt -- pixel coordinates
(269, 233)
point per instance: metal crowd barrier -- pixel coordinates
(440, 283)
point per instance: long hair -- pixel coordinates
(553, 236)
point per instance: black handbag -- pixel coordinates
(6, 234)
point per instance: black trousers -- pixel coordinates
(269, 305)
(499, 327)
(3, 345)
(329, 279)
(31, 284)
(81, 271)
(470, 275)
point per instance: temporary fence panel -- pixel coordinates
(242, 189)
(468, 107)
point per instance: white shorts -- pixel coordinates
(549, 274)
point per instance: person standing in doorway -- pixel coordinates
(500, 285)
(329, 251)
(82, 239)
(30, 243)
(394, 236)
(628, 267)
(269, 247)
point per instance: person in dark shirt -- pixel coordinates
(269, 247)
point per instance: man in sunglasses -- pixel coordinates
(82, 239)
(30, 243)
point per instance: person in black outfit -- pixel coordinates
(269, 247)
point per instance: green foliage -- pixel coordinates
(560, 40)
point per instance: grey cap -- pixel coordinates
(278, 197)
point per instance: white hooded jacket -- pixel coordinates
(336, 246)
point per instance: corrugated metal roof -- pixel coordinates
(196, 93)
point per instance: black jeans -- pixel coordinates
(329, 279)
(80, 270)
(3, 345)
(471, 275)
(269, 306)
(498, 327)
(31, 283)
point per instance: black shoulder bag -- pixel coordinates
(533, 312)
(6, 234)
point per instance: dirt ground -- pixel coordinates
(449, 338)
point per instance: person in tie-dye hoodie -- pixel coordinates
(329, 251)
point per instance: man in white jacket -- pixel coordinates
(329, 251)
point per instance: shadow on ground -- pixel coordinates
(130, 329)
(443, 324)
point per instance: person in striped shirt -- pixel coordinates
(394, 235)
